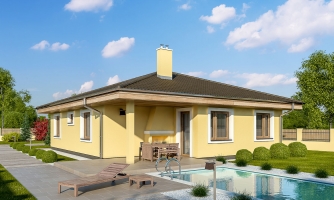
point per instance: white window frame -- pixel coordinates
(230, 125)
(178, 127)
(68, 118)
(271, 125)
(55, 126)
(82, 126)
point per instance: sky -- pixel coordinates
(56, 48)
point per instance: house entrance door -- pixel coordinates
(185, 133)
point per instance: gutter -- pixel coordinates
(101, 125)
(281, 121)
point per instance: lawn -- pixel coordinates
(313, 161)
(64, 158)
(33, 142)
(10, 188)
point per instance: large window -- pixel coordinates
(219, 125)
(262, 125)
(85, 126)
(56, 124)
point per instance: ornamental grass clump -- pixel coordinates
(199, 190)
(241, 196)
(39, 154)
(221, 159)
(26, 149)
(279, 151)
(19, 147)
(266, 166)
(261, 153)
(244, 154)
(291, 169)
(321, 173)
(241, 163)
(49, 157)
(297, 149)
(32, 152)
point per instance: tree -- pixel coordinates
(47, 140)
(25, 129)
(41, 127)
(15, 102)
(316, 85)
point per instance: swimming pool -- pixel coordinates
(260, 185)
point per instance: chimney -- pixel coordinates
(164, 62)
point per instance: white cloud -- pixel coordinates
(210, 29)
(116, 48)
(256, 80)
(220, 14)
(245, 7)
(303, 45)
(218, 73)
(41, 46)
(102, 18)
(197, 74)
(185, 6)
(113, 80)
(87, 86)
(292, 22)
(92, 74)
(88, 5)
(57, 46)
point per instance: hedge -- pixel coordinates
(261, 153)
(279, 151)
(244, 154)
(297, 149)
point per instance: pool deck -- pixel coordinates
(84, 168)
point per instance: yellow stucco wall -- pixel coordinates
(243, 133)
(70, 135)
(115, 138)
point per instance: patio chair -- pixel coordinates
(109, 174)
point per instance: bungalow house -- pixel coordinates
(207, 118)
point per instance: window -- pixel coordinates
(87, 125)
(262, 125)
(56, 125)
(70, 118)
(219, 125)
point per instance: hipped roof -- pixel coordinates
(181, 84)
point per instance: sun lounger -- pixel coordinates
(109, 174)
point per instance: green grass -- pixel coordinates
(313, 161)
(64, 158)
(32, 142)
(12, 189)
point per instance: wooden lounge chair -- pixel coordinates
(109, 174)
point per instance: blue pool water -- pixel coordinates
(260, 185)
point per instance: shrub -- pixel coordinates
(32, 152)
(9, 137)
(261, 153)
(221, 159)
(20, 146)
(321, 173)
(26, 149)
(49, 157)
(40, 128)
(279, 151)
(241, 196)
(244, 154)
(266, 166)
(241, 163)
(15, 145)
(39, 153)
(11, 144)
(199, 190)
(297, 149)
(291, 169)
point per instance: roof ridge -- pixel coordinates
(235, 86)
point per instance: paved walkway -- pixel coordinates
(42, 181)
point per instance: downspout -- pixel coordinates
(101, 125)
(281, 121)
